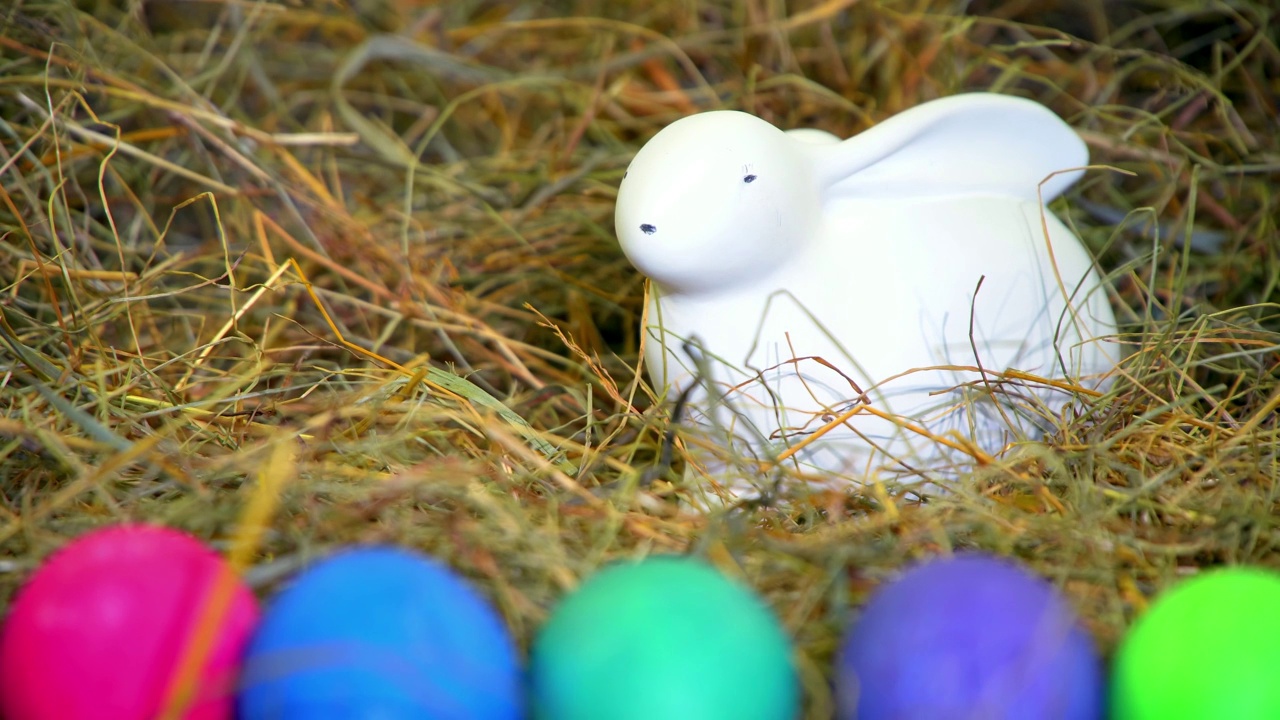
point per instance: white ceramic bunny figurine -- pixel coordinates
(809, 271)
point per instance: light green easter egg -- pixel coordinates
(1209, 648)
(667, 637)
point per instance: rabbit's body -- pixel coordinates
(872, 322)
(875, 281)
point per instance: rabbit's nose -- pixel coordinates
(648, 229)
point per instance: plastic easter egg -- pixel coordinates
(102, 628)
(1209, 648)
(380, 632)
(667, 638)
(968, 637)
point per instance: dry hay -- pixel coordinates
(291, 277)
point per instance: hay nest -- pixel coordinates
(293, 277)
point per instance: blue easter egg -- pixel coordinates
(380, 632)
(967, 637)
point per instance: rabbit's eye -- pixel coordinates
(749, 179)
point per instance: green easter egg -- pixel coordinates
(1209, 648)
(669, 638)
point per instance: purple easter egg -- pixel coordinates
(970, 636)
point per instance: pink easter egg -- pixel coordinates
(102, 628)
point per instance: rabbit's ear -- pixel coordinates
(978, 143)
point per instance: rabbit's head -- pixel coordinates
(723, 197)
(714, 199)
